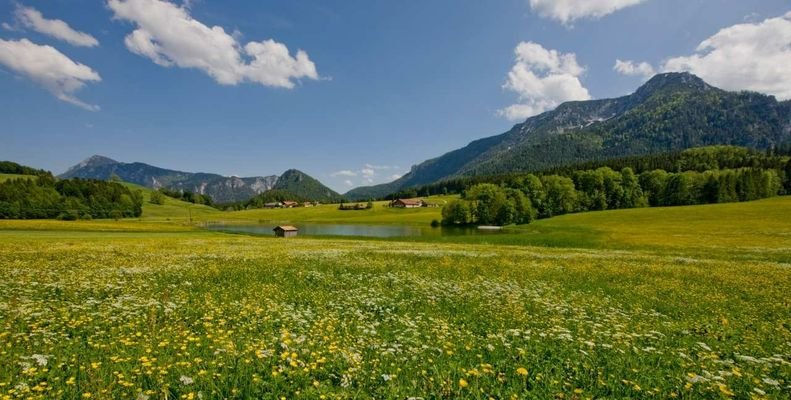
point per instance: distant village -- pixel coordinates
(291, 204)
(397, 203)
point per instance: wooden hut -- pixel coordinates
(286, 231)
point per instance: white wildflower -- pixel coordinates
(40, 359)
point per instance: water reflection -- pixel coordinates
(381, 231)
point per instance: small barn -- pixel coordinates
(286, 231)
(289, 204)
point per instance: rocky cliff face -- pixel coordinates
(221, 188)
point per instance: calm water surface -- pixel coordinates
(382, 231)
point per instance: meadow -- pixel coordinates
(684, 302)
(6, 177)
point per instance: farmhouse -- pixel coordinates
(273, 205)
(289, 204)
(406, 203)
(285, 231)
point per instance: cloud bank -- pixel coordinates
(568, 11)
(750, 56)
(32, 19)
(170, 37)
(50, 68)
(543, 79)
(630, 68)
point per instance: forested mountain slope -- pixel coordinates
(672, 111)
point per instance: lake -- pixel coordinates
(380, 231)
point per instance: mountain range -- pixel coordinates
(671, 111)
(222, 189)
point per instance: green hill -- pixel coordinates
(306, 187)
(172, 209)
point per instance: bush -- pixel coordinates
(157, 198)
(67, 216)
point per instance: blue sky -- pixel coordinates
(380, 85)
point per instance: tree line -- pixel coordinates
(259, 201)
(523, 198)
(69, 199)
(8, 167)
(698, 159)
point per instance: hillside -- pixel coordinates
(672, 111)
(219, 188)
(172, 209)
(306, 187)
(7, 177)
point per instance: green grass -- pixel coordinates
(7, 177)
(752, 230)
(329, 213)
(687, 302)
(172, 210)
(113, 315)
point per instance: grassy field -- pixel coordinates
(178, 211)
(6, 177)
(686, 302)
(329, 213)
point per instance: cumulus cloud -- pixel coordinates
(170, 37)
(344, 172)
(348, 183)
(32, 19)
(630, 68)
(748, 56)
(395, 176)
(543, 79)
(48, 67)
(567, 11)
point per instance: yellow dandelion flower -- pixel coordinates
(521, 371)
(463, 383)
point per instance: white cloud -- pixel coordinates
(32, 19)
(567, 11)
(7, 27)
(370, 173)
(543, 79)
(373, 166)
(749, 56)
(642, 69)
(344, 172)
(169, 36)
(48, 67)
